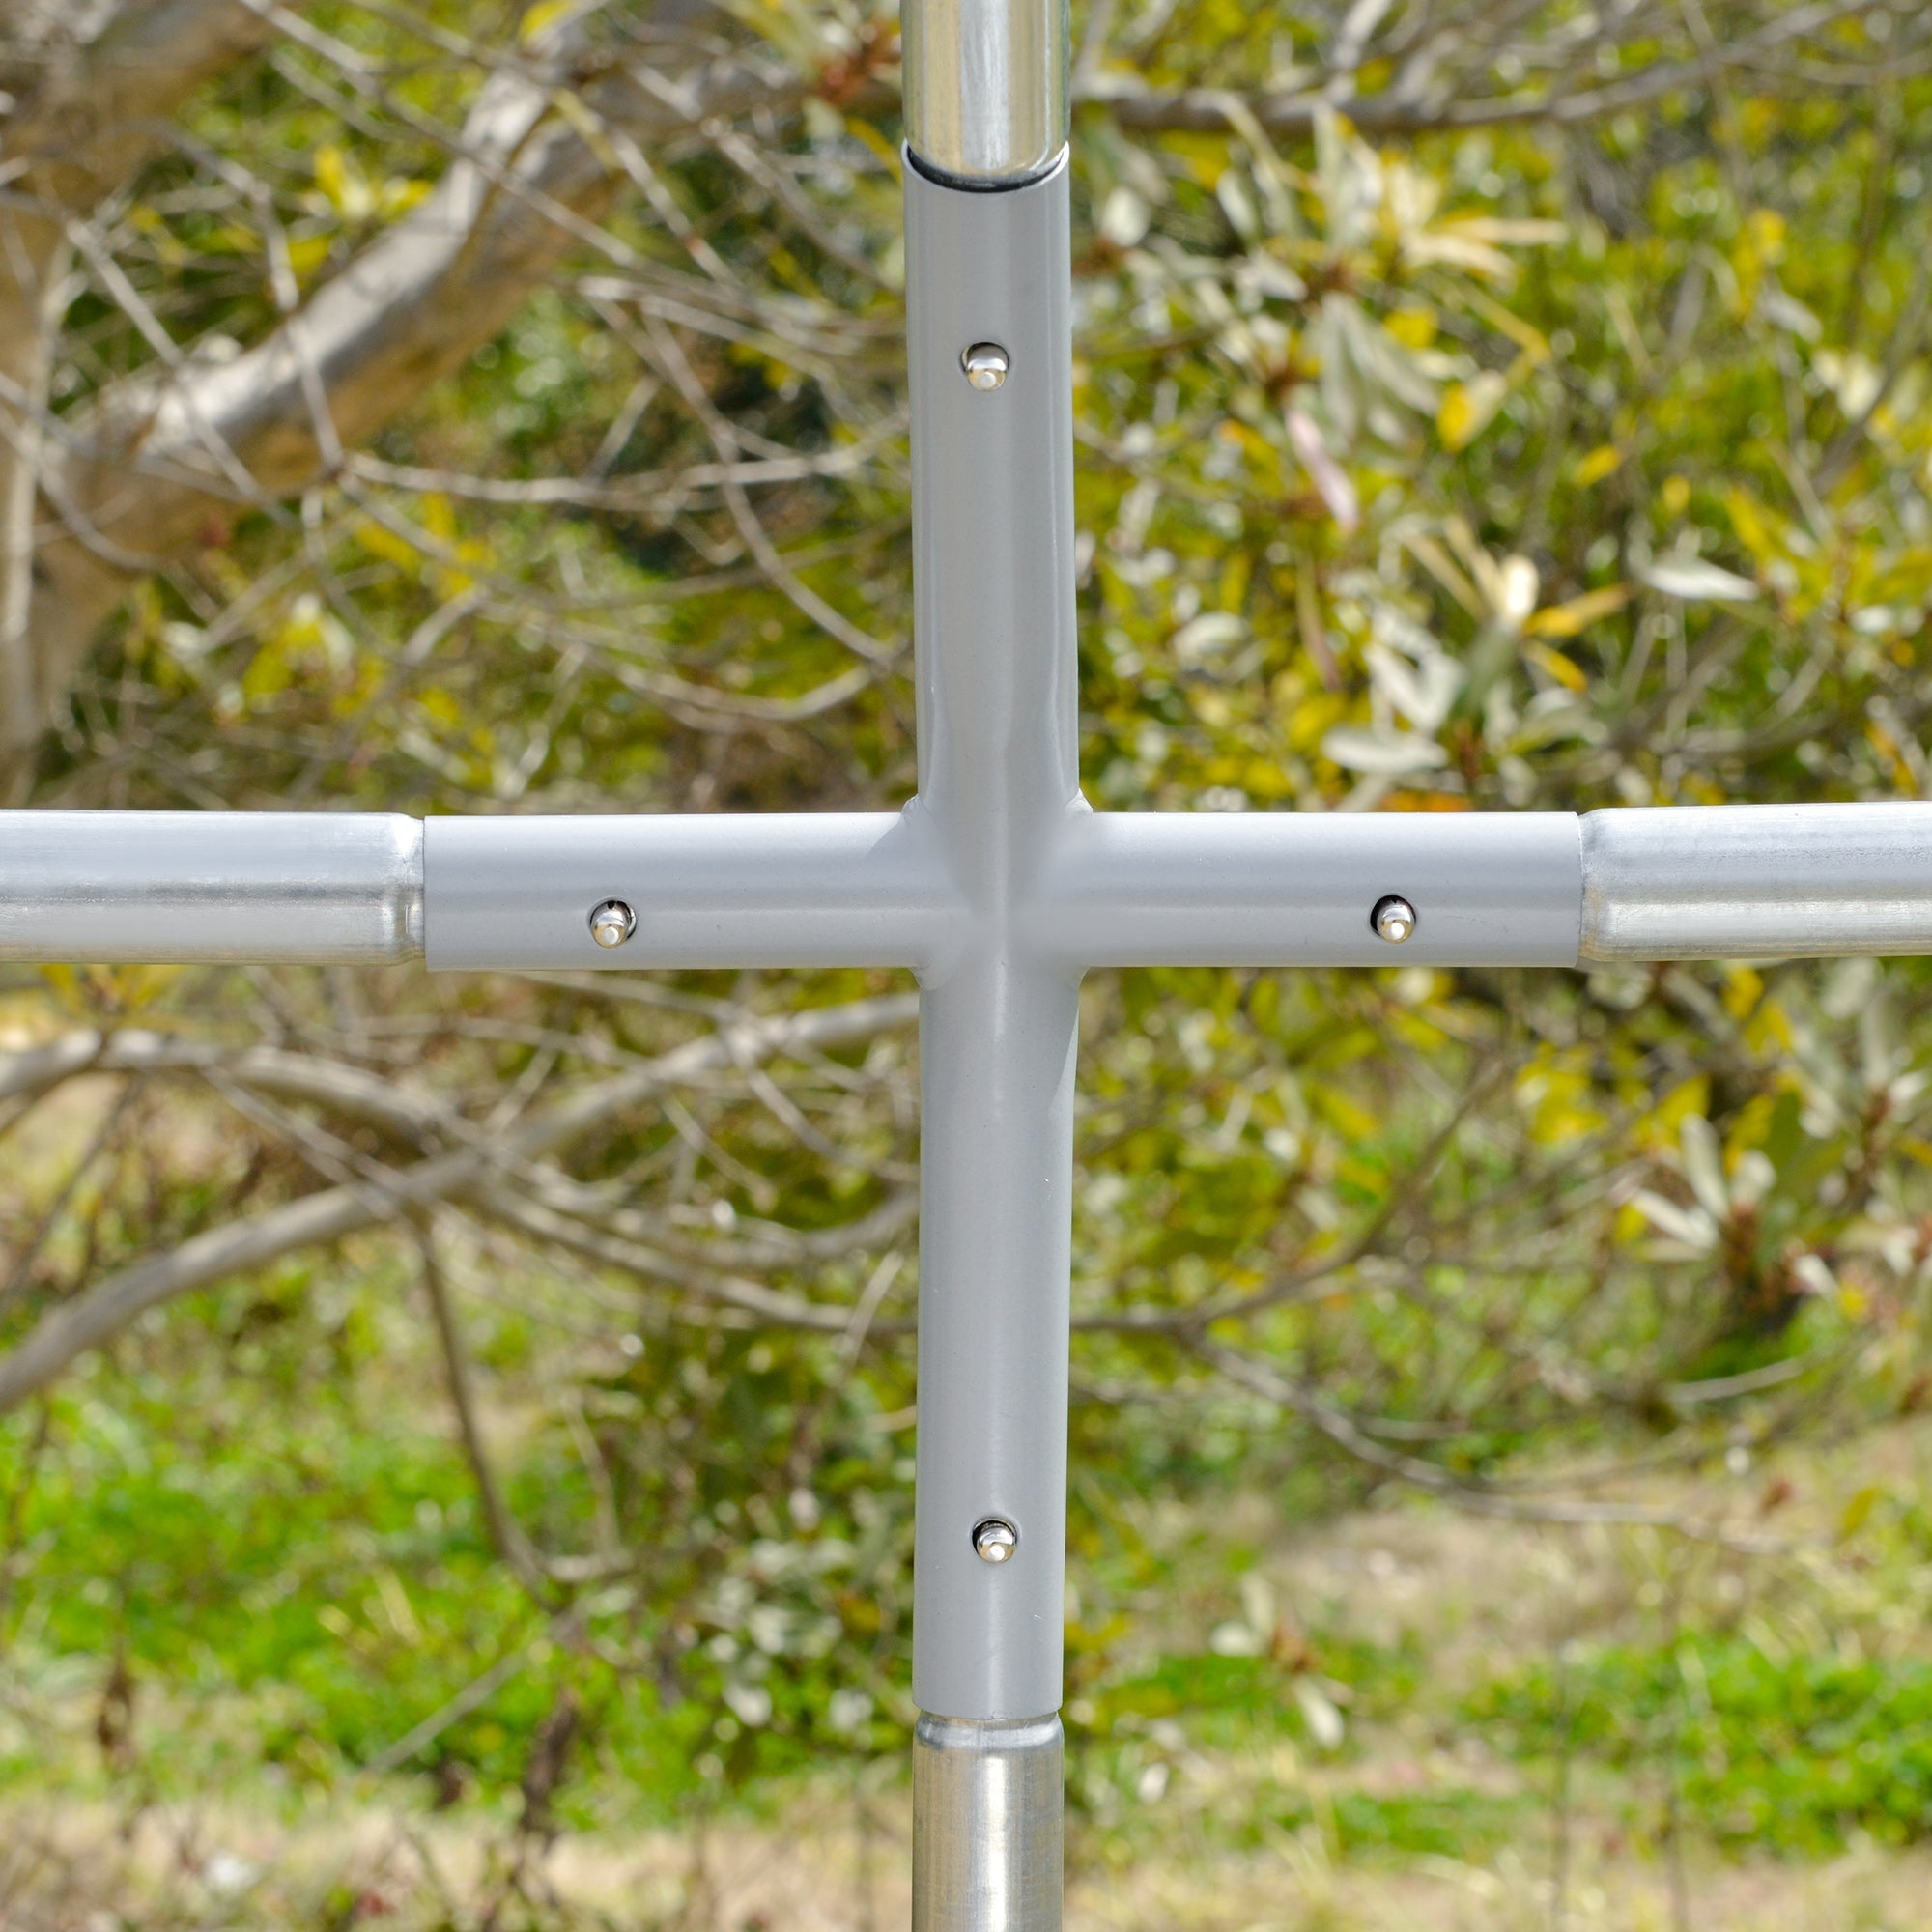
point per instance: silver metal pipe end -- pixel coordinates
(986, 1845)
(1757, 881)
(208, 888)
(986, 88)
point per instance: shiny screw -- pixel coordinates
(994, 1539)
(613, 922)
(1393, 918)
(985, 364)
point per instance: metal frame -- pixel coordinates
(885, 888)
(999, 887)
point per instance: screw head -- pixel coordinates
(994, 1538)
(613, 922)
(1393, 919)
(985, 364)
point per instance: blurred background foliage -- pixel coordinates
(1531, 408)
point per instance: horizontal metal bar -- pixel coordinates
(770, 888)
(1757, 881)
(105, 888)
(1120, 889)
(1300, 888)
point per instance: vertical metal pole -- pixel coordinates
(988, 271)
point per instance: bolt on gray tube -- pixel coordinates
(987, 1835)
(986, 88)
(157, 888)
(1757, 881)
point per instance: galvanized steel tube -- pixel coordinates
(986, 1847)
(986, 88)
(1757, 881)
(105, 888)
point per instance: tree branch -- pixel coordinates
(95, 93)
(102, 1311)
(1210, 110)
(133, 485)
(109, 77)
(506, 1533)
(344, 1089)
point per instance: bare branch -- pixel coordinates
(1207, 110)
(96, 85)
(1325, 1414)
(109, 76)
(102, 1311)
(505, 1531)
(135, 483)
(764, 1305)
(348, 1090)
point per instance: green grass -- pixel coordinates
(293, 1572)
(289, 1599)
(1791, 1753)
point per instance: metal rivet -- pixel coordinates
(985, 364)
(1393, 919)
(994, 1538)
(613, 922)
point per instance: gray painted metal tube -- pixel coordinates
(1065, 887)
(996, 1050)
(1275, 889)
(986, 88)
(779, 889)
(999, 774)
(986, 1850)
(1757, 881)
(103, 888)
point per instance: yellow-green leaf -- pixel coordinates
(1572, 619)
(1858, 1511)
(544, 14)
(1598, 463)
(1467, 409)
(1554, 663)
